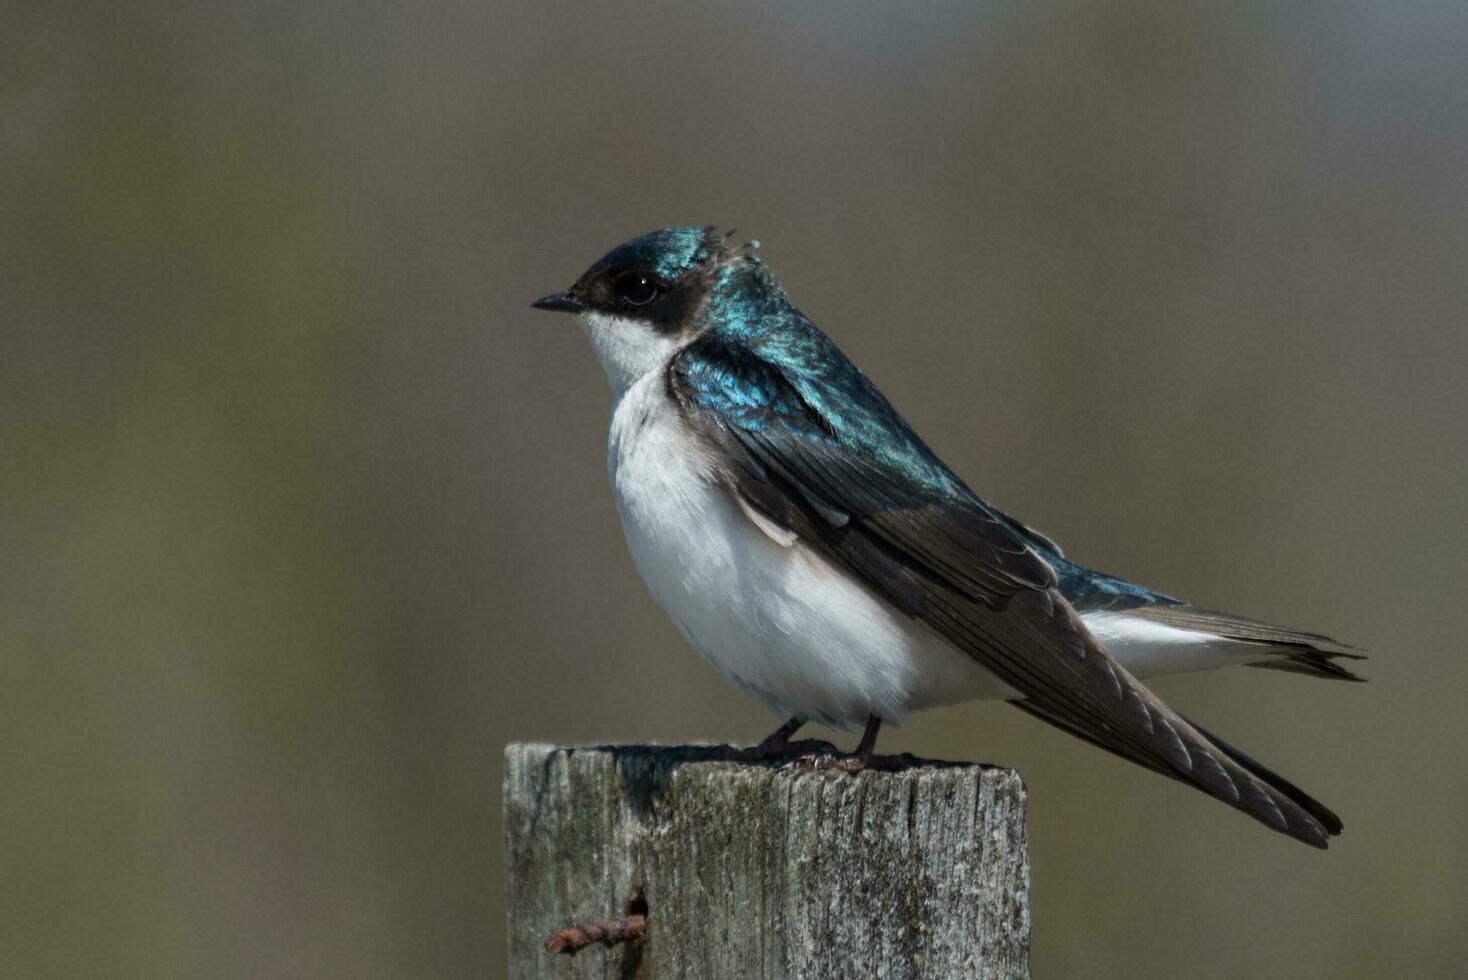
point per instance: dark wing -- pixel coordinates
(813, 446)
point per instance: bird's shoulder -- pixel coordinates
(785, 379)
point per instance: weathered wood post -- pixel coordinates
(746, 870)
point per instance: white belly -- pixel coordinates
(778, 621)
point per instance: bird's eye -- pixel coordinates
(637, 289)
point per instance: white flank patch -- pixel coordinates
(1148, 649)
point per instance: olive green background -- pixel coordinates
(304, 515)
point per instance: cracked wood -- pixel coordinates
(745, 870)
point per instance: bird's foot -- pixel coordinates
(777, 745)
(767, 751)
(814, 755)
(852, 764)
(823, 761)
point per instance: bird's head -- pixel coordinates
(648, 297)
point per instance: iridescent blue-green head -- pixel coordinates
(647, 297)
(654, 278)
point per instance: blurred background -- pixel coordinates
(304, 512)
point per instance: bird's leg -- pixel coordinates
(863, 758)
(779, 739)
(868, 741)
(813, 755)
(777, 745)
(863, 755)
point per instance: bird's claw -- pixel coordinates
(823, 761)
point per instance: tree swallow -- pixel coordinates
(824, 560)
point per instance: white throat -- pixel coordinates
(627, 349)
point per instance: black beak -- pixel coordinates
(559, 303)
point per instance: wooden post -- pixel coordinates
(747, 870)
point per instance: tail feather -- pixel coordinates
(1314, 822)
(1275, 781)
(1312, 663)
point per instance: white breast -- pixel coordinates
(775, 618)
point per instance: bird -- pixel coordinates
(823, 559)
